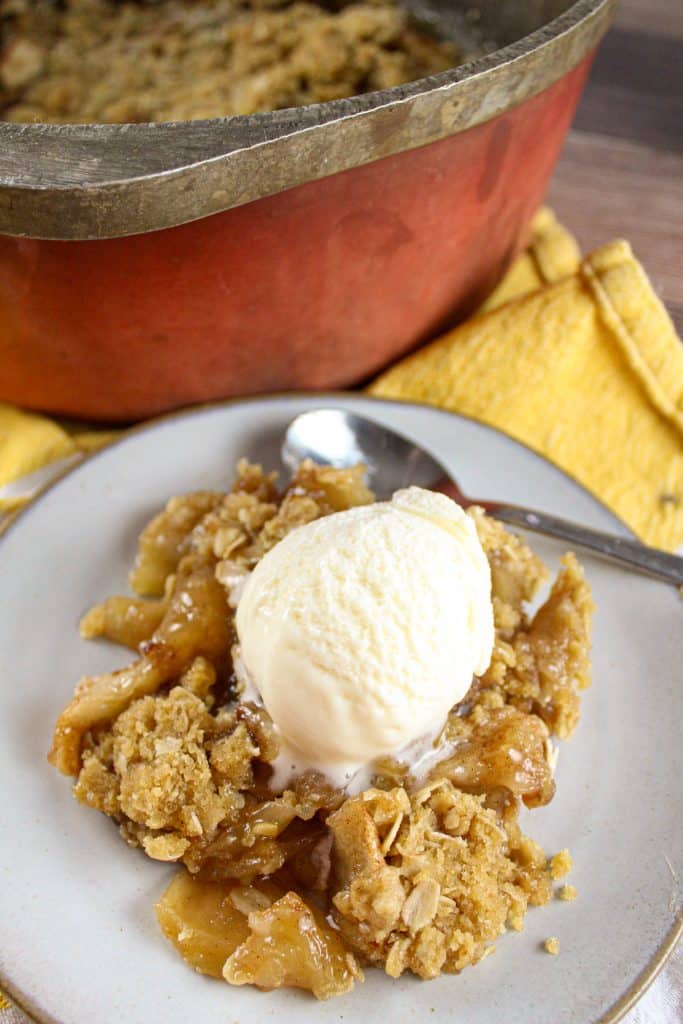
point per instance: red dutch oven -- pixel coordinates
(149, 266)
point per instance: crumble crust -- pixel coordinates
(303, 887)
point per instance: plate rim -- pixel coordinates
(644, 979)
(142, 426)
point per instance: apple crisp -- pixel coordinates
(308, 886)
(87, 61)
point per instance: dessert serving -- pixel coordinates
(90, 61)
(337, 710)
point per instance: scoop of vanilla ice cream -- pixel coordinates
(362, 629)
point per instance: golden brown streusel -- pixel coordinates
(516, 572)
(568, 893)
(426, 880)
(419, 876)
(541, 665)
(552, 946)
(561, 864)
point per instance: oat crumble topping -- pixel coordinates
(561, 864)
(305, 887)
(85, 61)
(567, 893)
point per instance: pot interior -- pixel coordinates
(487, 25)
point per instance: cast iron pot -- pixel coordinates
(148, 266)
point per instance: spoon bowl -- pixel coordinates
(343, 439)
(339, 438)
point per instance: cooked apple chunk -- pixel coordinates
(291, 946)
(207, 921)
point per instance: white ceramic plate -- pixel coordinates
(79, 942)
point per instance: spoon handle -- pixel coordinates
(631, 553)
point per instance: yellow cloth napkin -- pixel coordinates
(577, 359)
(552, 253)
(587, 369)
(34, 448)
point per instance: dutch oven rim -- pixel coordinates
(104, 181)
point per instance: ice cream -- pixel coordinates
(360, 631)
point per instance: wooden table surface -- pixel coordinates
(621, 171)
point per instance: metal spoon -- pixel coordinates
(339, 438)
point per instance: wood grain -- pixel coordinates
(636, 90)
(605, 189)
(621, 170)
(656, 17)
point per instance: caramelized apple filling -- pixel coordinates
(289, 944)
(300, 887)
